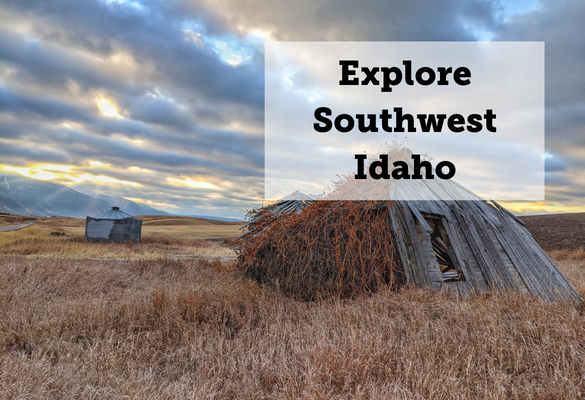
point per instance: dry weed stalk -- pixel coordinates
(331, 248)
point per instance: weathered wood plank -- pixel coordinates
(419, 266)
(499, 207)
(495, 258)
(518, 281)
(421, 219)
(465, 266)
(399, 242)
(554, 285)
(493, 278)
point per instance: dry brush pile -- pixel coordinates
(338, 248)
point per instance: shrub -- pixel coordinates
(332, 248)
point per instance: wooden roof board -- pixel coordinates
(411, 257)
(536, 266)
(485, 256)
(394, 211)
(295, 201)
(478, 280)
(552, 282)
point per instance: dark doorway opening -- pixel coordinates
(444, 251)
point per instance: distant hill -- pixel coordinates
(214, 218)
(128, 206)
(25, 196)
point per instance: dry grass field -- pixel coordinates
(558, 231)
(183, 227)
(171, 318)
(152, 225)
(173, 237)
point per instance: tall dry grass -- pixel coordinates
(174, 329)
(55, 245)
(33, 232)
(572, 265)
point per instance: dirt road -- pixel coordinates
(7, 228)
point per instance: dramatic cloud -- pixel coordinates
(355, 20)
(163, 101)
(138, 87)
(560, 25)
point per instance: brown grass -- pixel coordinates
(572, 264)
(33, 232)
(173, 329)
(64, 238)
(164, 226)
(149, 248)
(162, 320)
(153, 220)
(199, 231)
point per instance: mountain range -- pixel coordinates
(26, 196)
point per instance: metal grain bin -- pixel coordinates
(113, 226)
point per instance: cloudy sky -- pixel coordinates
(163, 101)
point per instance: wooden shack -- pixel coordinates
(461, 246)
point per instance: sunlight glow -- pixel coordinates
(134, 141)
(149, 202)
(196, 184)
(103, 179)
(260, 35)
(52, 167)
(63, 174)
(32, 173)
(44, 172)
(98, 164)
(108, 108)
(141, 170)
(541, 207)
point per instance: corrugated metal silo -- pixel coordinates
(114, 226)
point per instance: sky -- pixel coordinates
(162, 102)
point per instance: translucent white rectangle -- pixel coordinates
(505, 89)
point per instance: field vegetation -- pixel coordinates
(172, 318)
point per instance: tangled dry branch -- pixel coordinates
(339, 248)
